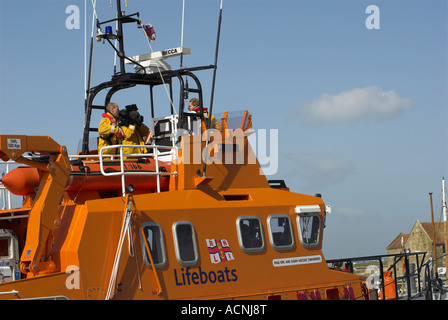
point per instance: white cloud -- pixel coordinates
(354, 105)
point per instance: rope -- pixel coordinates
(125, 228)
(148, 250)
(131, 250)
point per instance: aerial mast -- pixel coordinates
(108, 35)
(208, 126)
(445, 215)
(120, 53)
(445, 211)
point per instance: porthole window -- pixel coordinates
(185, 243)
(309, 229)
(250, 233)
(153, 237)
(280, 232)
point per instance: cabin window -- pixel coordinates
(185, 243)
(250, 233)
(280, 232)
(4, 247)
(309, 229)
(153, 235)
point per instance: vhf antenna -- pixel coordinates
(213, 87)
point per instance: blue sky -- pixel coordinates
(361, 113)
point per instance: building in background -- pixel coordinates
(421, 239)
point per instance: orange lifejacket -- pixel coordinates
(214, 123)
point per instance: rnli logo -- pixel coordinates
(219, 250)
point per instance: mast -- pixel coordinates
(433, 235)
(213, 85)
(108, 36)
(182, 34)
(444, 209)
(121, 54)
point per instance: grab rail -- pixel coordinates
(14, 292)
(122, 173)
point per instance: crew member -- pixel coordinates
(109, 129)
(194, 106)
(135, 130)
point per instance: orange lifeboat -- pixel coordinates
(87, 176)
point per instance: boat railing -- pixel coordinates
(121, 156)
(393, 276)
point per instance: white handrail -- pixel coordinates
(122, 173)
(14, 292)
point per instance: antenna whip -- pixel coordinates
(213, 85)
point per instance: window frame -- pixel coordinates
(162, 245)
(185, 263)
(299, 229)
(240, 237)
(271, 236)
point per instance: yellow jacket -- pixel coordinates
(135, 136)
(109, 133)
